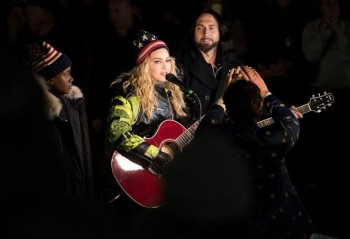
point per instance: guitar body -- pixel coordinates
(142, 186)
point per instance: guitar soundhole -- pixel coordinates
(171, 148)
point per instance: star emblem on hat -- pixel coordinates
(144, 37)
(145, 43)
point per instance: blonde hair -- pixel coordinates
(140, 80)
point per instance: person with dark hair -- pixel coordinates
(206, 58)
(65, 109)
(276, 211)
(48, 187)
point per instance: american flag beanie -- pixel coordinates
(145, 43)
(45, 60)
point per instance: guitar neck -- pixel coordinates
(187, 135)
(302, 109)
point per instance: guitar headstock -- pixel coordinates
(321, 102)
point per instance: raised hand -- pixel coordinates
(252, 75)
(234, 74)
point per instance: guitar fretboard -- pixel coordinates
(265, 122)
(187, 135)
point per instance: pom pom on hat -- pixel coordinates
(145, 43)
(45, 60)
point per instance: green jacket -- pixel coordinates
(127, 128)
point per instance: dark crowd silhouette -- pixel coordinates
(301, 48)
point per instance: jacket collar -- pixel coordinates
(53, 105)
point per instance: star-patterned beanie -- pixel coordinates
(145, 43)
(45, 60)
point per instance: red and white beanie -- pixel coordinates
(145, 43)
(45, 60)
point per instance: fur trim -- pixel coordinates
(75, 93)
(53, 105)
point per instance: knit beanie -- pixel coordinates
(45, 60)
(145, 43)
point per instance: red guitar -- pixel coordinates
(142, 186)
(147, 189)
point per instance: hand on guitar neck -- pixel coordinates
(296, 113)
(316, 104)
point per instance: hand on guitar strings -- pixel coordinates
(160, 164)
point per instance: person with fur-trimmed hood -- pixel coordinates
(66, 114)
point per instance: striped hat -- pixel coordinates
(45, 60)
(145, 43)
